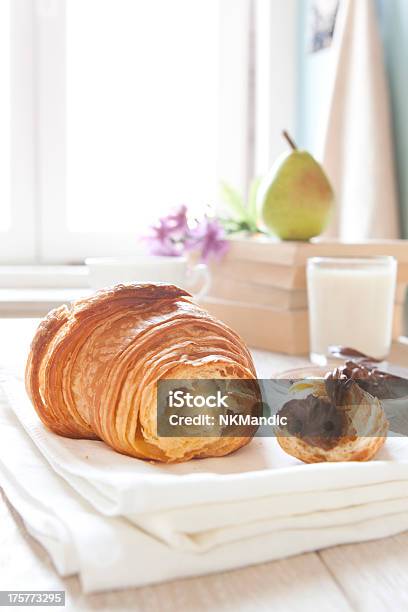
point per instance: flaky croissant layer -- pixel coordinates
(93, 368)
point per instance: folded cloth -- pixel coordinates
(118, 521)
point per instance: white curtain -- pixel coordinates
(358, 151)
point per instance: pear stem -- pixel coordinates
(289, 140)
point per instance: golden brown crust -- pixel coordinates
(361, 449)
(93, 367)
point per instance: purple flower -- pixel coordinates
(162, 247)
(172, 236)
(209, 238)
(164, 238)
(176, 222)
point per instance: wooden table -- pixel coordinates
(370, 576)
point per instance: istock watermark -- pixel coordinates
(244, 397)
(315, 408)
(185, 399)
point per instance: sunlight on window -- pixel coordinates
(4, 115)
(142, 110)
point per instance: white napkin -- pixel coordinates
(118, 521)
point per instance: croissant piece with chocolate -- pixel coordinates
(93, 368)
(338, 421)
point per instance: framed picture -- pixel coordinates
(321, 24)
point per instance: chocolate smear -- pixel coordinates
(317, 421)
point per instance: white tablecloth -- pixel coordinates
(118, 521)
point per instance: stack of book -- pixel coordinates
(259, 288)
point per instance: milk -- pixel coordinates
(351, 303)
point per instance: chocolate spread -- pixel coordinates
(368, 376)
(315, 420)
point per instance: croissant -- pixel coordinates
(93, 368)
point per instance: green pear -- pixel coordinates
(296, 198)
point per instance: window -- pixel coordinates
(5, 217)
(149, 128)
(120, 109)
(17, 180)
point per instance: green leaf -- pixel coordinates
(232, 226)
(252, 209)
(234, 201)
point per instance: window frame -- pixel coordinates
(58, 244)
(250, 120)
(18, 242)
(276, 83)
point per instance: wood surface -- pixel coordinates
(285, 331)
(296, 253)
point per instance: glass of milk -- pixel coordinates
(351, 303)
